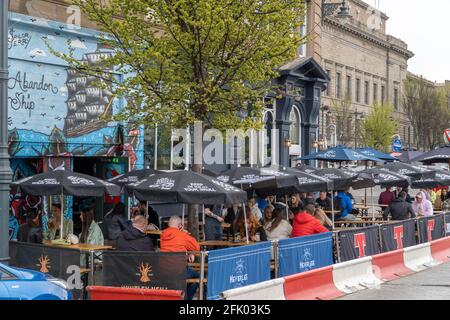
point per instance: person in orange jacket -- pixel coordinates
(175, 239)
(306, 225)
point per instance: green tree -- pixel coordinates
(441, 118)
(378, 128)
(193, 60)
(424, 106)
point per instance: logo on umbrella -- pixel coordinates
(164, 184)
(78, 180)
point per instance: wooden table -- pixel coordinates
(154, 232)
(360, 222)
(89, 249)
(217, 243)
(373, 205)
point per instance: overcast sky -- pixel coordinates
(425, 27)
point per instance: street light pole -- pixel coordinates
(5, 169)
(357, 114)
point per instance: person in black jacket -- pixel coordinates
(134, 237)
(400, 209)
(153, 217)
(31, 231)
(115, 223)
(324, 201)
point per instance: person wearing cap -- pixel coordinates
(422, 206)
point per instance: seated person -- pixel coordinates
(176, 239)
(309, 199)
(345, 205)
(305, 224)
(253, 205)
(90, 232)
(446, 206)
(276, 227)
(31, 230)
(54, 224)
(320, 215)
(422, 207)
(324, 202)
(115, 223)
(134, 238)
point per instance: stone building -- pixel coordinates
(366, 65)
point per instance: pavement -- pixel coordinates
(432, 284)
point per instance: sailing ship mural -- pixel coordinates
(88, 103)
(55, 111)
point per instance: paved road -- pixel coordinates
(432, 284)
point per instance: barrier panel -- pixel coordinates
(312, 285)
(302, 254)
(145, 270)
(237, 267)
(358, 243)
(51, 260)
(113, 293)
(431, 228)
(355, 275)
(398, 235)
(390, 265)
(440, 250)
(447, 224)
(267, 290)
(419, 258)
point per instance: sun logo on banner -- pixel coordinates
(145, 272)
(44, 264)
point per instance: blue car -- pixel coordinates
(21, 284)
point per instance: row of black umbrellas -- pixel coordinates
(227, 187)
(188, 187)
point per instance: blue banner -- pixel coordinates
(302, 254)
(237, 267)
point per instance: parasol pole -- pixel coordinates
(332, 207)
(204, 223)
(182, 219)
(62, 214)
(287, 207)
(246, 224)
(129, 208)
(371, 197)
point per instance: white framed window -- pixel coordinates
(294, 132)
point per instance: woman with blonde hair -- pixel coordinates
(320, 215)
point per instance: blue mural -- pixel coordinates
(53, 110)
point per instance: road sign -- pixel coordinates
(397, 144)
(447, 135)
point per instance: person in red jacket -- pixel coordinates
(176, 239)
(306, 225)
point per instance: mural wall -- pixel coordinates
(53, 111)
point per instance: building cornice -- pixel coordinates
(367, 36)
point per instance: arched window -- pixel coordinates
(294, 132)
